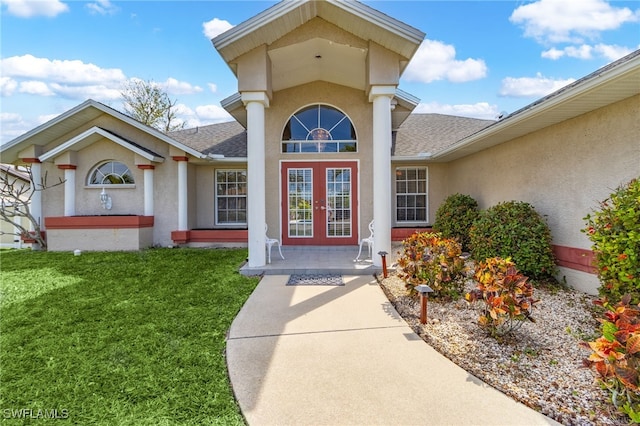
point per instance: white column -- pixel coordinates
(182, 193)
(148, 189)
(69, 190)
(36, 199)
(381, 97)
(255, 102)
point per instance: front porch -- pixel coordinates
(320, 260)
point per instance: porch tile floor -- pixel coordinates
(319, 260)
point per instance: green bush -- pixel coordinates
(514, 230)
(455, 216)
(427, 258)
(615, 233)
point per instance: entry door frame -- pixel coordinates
(355, 201)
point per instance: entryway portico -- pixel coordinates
(349, 57)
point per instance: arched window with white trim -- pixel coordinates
(319, 128)
(110, 173)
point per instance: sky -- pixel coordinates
(478, 59)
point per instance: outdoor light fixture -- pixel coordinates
(424, 290)
(383, 254)
(105, 200)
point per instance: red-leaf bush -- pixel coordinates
(506, 294)
(616, 355)
(428, 258)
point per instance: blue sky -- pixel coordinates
(479, 58)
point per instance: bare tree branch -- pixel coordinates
(16, 195)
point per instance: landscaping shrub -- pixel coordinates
(616, 355)
(455, 217)
(428, 258)
(514, 229)
(506, 294)
(615, 233)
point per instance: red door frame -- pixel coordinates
(319, 188)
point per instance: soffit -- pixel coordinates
(354, 17)
(318, 59)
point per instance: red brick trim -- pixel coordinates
(575, 258)
(178, 158)
(210, 236)
(98, 222)
(146, 166)
(399, 234)
(67, 166)
(30, 160)
(28, 238)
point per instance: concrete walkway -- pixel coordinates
(322, 355)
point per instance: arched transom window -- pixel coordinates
(319, 128)
(111, 173)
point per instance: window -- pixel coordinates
(319, 128)
(231, 197)
(411, 195)
(111, 173)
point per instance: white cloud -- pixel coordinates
(13, 125)
(102, 7)
(215, 27)
(39, 88)
(213, 113)
(31, 8)
(480, 110)
(560, 21)
(98, 92)
(606, 51)
(7, 86)
(436, 60)
(61, 71)
(175, 87)
(213, 87)
(47, 117)
(525, 87)
(10, 117)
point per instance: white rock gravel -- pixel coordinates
(540, 365)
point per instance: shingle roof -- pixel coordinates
(419, 133)
(228, 139)
(432, 133)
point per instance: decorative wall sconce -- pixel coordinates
(105, 200)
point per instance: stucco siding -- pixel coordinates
(285, 103)
(562, 170)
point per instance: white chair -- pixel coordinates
(368, 241)
(270, 242)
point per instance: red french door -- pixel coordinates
(319, 203)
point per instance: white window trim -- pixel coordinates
(88, 184)
(405, 224)
(217, 223)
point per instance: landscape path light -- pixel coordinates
(424, 291)
(383, 254)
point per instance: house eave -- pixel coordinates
(606, 86)
(283, 17)
(43, 134)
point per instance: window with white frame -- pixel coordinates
(111, 173)
(411, 195)
(319, 128)
(231, 197)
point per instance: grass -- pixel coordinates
(120, 338)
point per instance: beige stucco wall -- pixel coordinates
(99, 239)
(285, 103)
(126, 200)
(562, 170)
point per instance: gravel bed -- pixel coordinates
(540, 365)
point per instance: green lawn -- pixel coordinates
(119, 338)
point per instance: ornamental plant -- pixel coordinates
(616, 355)
(614, 230)
(428, 258)
(514, 229)
(506, 296)
(455, 216)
